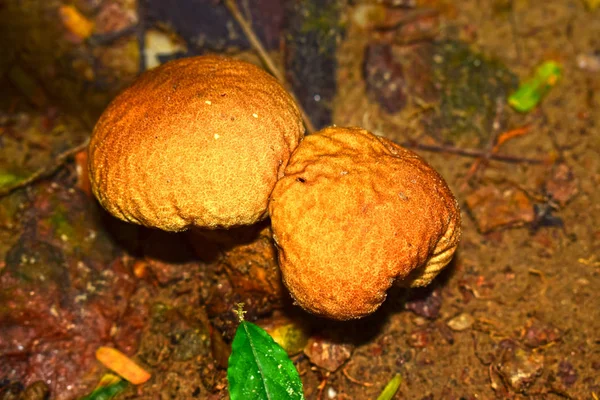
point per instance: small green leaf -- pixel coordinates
(110, 385)
(391, 388)
(8, 179)
(531, 92)
(259, 369)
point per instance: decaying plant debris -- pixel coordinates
(514, 316)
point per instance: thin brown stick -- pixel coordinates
(496, 127)
(411, 16)
(264, 56)
(499, 140)
(46, 171)
(475, 153)
(354, 380)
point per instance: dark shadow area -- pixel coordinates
(195, 244)
(139, 241)
(209, 244)
(423, 301)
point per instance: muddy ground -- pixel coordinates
(515, 315)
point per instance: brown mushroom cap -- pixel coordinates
(195, 142)
(354, 213)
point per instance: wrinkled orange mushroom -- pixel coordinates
(356, 213)
(195, 142)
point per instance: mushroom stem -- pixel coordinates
(266, 59)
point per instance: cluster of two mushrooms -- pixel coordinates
(212, 142)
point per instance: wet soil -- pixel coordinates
(516, 315)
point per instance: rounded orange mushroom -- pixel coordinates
(195, 142)
(356, 213)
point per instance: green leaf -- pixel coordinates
(8, 179)
(110, 385)
(259, 369)
(532, 91)
(391, 388)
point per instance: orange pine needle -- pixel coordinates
(502, 138)
(506, 136)
(122, 365)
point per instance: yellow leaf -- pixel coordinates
(122, 365)
(75, 22)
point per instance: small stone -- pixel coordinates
(588, 62)
(418, 339)
(327, 354)
(427, 307)
(537, 334)
(461, 322)
(562, 185)
(113, 17)
(567, 373)
(518, 367)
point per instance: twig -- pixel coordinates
(264, 56)
(476, 352)
(322, 384)
(354, 380)
(411, 16)
(45, 171)
(542, 277)
(103, 39)
(492, 149)
(470, 153)
(496, 126)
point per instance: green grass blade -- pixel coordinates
(391, 388)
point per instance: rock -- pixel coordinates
(538, 334)
(567, 373)
(419, 339)
(518, 367)
(428, 307)
(461, 322)
(562, 185)
(328, 354)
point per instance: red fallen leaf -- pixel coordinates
(493, 207)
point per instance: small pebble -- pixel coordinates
(567, 373)
(331, 393)
(461, 322)
(588, 62)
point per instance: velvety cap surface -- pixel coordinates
(353, 214)
(195, 142)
